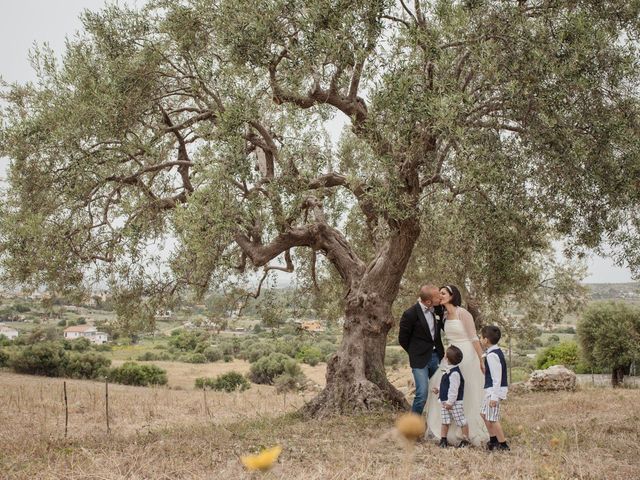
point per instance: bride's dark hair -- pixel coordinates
(456, 298)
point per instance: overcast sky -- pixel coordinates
(24, 22)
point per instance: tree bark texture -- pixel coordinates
(356, 376)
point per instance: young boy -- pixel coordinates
(495, 386)
(451, 396)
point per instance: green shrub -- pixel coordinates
(565, 353)
(4, 358)
(86, 365)
(310, 355)
(62, 323)
(227, 358)
(21, 308)
(78, 344)
(148, 357)
(212, 354)
(266, 369)
(227, 382)
(257, 351)
(195, 358)
(47, 358)
(190, 341)
(103, 348)
(131, 373)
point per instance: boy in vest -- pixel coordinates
(495, 386)
(451, 394)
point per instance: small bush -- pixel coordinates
(257, 351)
(195, 358)
(266, 369)
(86, 365)
(78, 344)
(212, 354)
(310, 355)
(565, 353)
(148, 357)
(227, 358)
(227, 382)
(62, 323)
(103, 348)
(131, 373)
(47, 359)
(4, 358)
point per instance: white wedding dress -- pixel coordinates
(461, 337)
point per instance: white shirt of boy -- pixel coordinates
(495, 392)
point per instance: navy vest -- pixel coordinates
(488, 381)
(444, 385)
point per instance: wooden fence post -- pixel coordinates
(106, 402)
(66, 409)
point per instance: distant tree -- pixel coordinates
(485, 125)
(609, 336)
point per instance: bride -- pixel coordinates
(461, 332)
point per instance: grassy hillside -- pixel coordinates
(183, 434)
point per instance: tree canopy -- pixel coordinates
(609, 334)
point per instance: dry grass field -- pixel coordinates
(179, 433)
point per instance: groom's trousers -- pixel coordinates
(421, 377)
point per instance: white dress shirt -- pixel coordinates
(431, 321)
(495, 392)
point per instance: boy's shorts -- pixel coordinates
(457, 412)
(491, 414)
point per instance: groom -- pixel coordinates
(419, 335)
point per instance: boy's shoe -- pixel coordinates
(443, 443)
(502, 447)
(464, 444)
(492, 445)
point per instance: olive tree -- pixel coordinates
(202, 123)
(609, 336)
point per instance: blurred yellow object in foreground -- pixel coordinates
(263, 461)
(411, 426)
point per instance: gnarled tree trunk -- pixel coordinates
(356, 376)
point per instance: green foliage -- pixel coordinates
(608, 334)
(4, 358)
(130, 373)
(46, 358)
(266, 369)
(86, 365)
(21, 308)
(212, 354)
(310, 355)
(227, 382)
(81, 344)
(154, 357)
(565, 353)
(195, 358)
(188, 341)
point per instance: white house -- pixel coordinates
(86, 331)
(8, 332)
